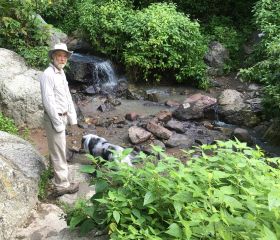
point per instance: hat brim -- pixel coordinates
(51, 52)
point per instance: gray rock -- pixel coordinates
(242, 135)
(20, 91)
(158, 130)
(235, 109)
(20, 169)
(180, 140)
(138, 134)
(193, 107)
(216, 57)
(176, 126)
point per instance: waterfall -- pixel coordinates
(98, 73)
(104, 73)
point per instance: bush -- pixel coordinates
(20, 30)
(266, 69)
(163, 41)
(105, 22)
(229, 193)
(148, 42)
(7, 125)
(222, 29)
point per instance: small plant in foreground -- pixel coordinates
(228, 191)
(44, 182)
(7, 125)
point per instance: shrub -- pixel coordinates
(229, 193)
(20, 30)
(222, 29)
(162, 41)
(7, 125)
(105, 22)
(266, 69)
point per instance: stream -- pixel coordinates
(97, 81)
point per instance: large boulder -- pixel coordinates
(194, 107)
(20, 169)
(216, 58)
(20, 97)
(55, 35)
(235, 109)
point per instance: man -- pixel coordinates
(58, 111)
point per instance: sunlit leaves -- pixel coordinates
(229, 193)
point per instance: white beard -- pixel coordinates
(59, 66)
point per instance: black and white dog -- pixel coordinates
(100, 147)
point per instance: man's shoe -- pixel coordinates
(74, 187)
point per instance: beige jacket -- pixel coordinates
(56, 97)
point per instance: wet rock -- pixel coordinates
(242, 135)
(155, 95)
(254, 87)
(216, 57)
(272, 134)
(176, 126)
(179, 140)
(164, 115)
(172, 103)
(193, 107)
(138, 135)
(255, 104)
(158, 130)
(91, 90)
(106, 107)
(234, 109)
(131, 116)
(231, 100)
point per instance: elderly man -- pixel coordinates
(58, 111)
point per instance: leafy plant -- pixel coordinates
(266, 68)
(45, 177)
(225, 191)
(21, 32)
(163, 40)
(7, 125)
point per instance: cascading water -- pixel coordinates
(104, 73)
(94, 71)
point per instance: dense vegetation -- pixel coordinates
(232, 193)
(229, 193)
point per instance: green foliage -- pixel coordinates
(266, 69)
(150, 42)
(229, 193)
(105, 22)
(222, 29)
(7, 125)
(20, 30)
(163, 40)
(61, 13)
(45, 177)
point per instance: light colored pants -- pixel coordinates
(57, 153)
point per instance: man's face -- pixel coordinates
(60, 59)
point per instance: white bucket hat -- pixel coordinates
(60, 47)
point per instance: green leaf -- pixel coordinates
(274, 199)
(268, 234)
(174, 230)
(76, 220)
(87, 226)
(101, 186)
(149, 198)
(116, 216)
(87, 169)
